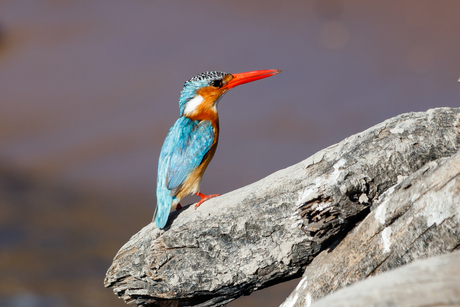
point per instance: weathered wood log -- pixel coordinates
(417, 218)
(269, 231)
(431, 282)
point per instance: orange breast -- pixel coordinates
(207, 110)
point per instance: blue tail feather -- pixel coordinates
(164, 198)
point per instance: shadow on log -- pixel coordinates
(431, 282)
(275, 229)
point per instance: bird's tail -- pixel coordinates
(164, 202)
(160, 219)
(161, 214)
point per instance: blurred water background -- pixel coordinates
(89, 89)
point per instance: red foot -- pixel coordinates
(178, 207)
(204, 198)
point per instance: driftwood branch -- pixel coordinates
(272, 230)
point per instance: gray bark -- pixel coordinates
(417, 218)
(271, 230)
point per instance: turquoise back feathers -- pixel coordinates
(183, 150)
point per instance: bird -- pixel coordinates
(192, 141)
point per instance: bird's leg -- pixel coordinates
(204, 198)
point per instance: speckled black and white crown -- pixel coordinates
(207, 75)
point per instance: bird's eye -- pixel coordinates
(216, 83)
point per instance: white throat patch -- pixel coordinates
(192, 104)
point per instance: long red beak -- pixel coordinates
(250, 76)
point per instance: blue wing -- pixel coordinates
(195, 142)
(183, 150)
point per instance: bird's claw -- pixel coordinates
(204, 198)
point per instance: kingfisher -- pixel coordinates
(192, 141)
